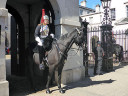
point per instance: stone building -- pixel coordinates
(119, 17)
(26, 14)
(83, 10)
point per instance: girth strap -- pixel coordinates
(59, 51)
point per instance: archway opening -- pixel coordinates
(19, 38)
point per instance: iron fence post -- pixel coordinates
(85, 51)
(107, 44)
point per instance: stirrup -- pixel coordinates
(46, 61)
(41, 66)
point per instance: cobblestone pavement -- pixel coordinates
(109, 84)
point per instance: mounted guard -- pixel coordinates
(44, 39)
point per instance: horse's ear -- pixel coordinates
(78, 30)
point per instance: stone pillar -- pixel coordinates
(74, 69)
(66, 20)
(4, 88)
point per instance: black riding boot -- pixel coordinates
(41, 56)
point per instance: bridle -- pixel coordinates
(72, 41)
(82, 45)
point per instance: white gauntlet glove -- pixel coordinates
(52, 35)
(39, 41)
(40, 44)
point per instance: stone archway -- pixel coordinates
(17, 41)
(27, 19)
(30, 14)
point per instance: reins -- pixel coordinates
(68, 48)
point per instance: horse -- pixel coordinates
(56, 56)
(118, 51)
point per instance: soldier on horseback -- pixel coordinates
(41, 33)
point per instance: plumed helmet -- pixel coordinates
(45, 17)
(99, 42)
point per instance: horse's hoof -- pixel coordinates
(48, 91)
(61, 91)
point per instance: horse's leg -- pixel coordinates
(59, 79)
(120, 59)
(116, 57)
(31, 75)
(51, 71)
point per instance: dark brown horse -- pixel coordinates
(56, 56)
(118, 51)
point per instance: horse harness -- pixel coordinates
(64, 56)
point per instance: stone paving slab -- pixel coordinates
(110, 84)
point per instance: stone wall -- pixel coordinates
(3, 83)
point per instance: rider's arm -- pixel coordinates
(37, 31)
(37, 35)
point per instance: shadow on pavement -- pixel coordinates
(87, 82)
(120, 65)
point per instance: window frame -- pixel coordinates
(113, 14)
(126, 10)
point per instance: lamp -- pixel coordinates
(106, 3)
(106, 29)
(106, 6)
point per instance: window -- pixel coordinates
(113, 15)
(127, 10)
(88, 12)
(90, 19)
(81, 12)
(101, 18)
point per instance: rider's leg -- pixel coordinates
(41, 56)
(45, 58)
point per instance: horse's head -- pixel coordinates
(79, 39)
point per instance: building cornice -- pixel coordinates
(91, 14)
(121, 23)
(86, 8)
(62, 21)
(125, 2)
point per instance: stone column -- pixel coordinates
(74, 69)
(4, 88)
(66, 20)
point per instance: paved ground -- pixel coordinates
(110, 84)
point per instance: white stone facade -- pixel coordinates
(119, 23)
(83, 10)
(120, 13)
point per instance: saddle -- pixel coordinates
(35, 50)
(47, 44)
